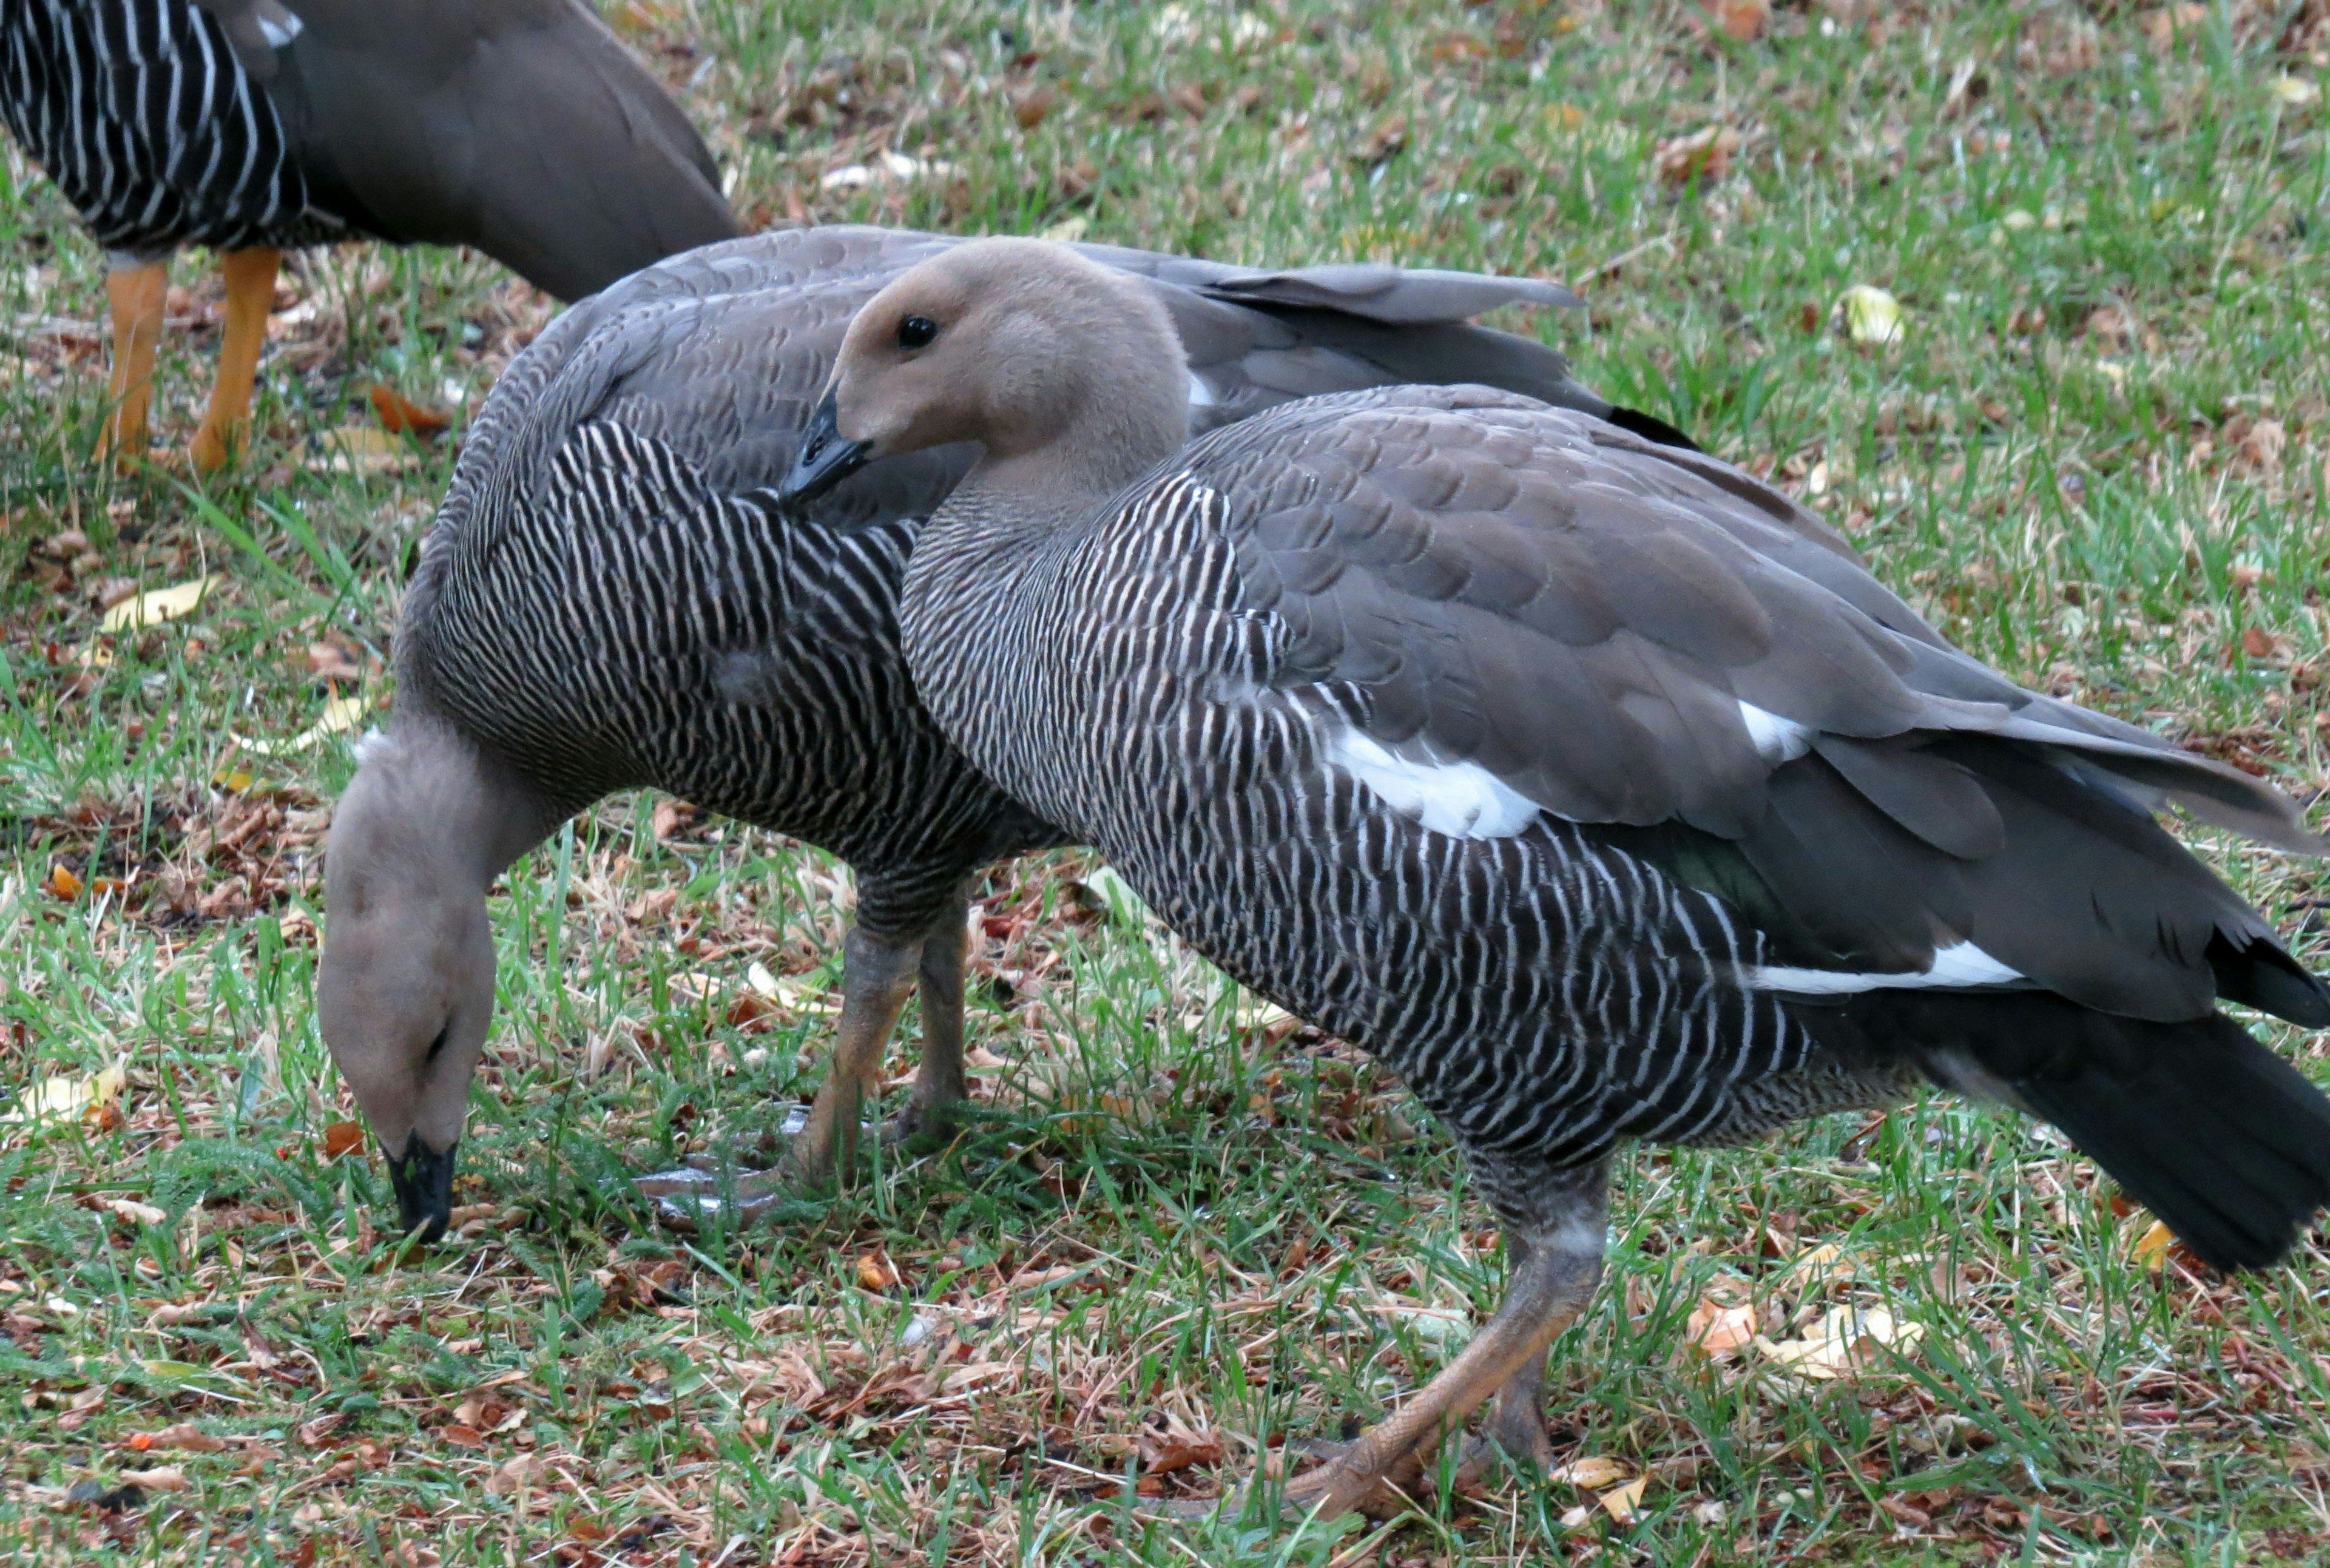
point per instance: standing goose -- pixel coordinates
(1591, 784)
(609, 599)
(254, 127)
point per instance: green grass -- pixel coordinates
(2096, 456)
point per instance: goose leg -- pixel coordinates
(250, 295)
(1516, 1423)
(940, 1085)
(1554, 1244)
(878, 975)
(135, 295)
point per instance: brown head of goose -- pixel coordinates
(611, 598)
(1594, 787)
(519, 126)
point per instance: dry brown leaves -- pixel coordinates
(1703, 156)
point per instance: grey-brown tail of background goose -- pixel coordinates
(611, 598)
(519, 127)
(1590, 783)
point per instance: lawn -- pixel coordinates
(1182, 1233)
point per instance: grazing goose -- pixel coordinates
(606, 602)
(252, 127)
(1591, 784)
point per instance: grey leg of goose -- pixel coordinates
(1555, 1221)
(1553, 1277)
(939, 1083)
(878, 975)
(1516, 1421)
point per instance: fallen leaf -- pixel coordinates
(137, 1212)
(1704, 156)
(340, 715)
(185, 1436)
(358, 448)
(168, 1478)
(461, 1437)
(401, 415)
(63, 883)
(1847, 1339)
(1717, 1329)
(1622, 1503)
(343, 1138)
(2152, 1248)
(1594, 1472)
(876, 1273)
(2261, 446)
(2296, 91)
(156, 605)
(1871, 314)
(1166, 1442)
(314, 1433)
(517, 1474)
(56, 1100)
(1744, 20)
(333, 662)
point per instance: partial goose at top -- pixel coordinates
(1592, 784)
(252, 127)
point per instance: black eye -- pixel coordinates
(917, 332)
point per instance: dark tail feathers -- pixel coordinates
(2198, 1120)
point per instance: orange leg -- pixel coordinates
(135, 295)
(250, 295)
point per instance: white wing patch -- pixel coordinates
(1960, 964)
(278, 26)
(1200, 394)
(1775, 739)
(1460, 799)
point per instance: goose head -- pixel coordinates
(1052, 363)
(406, 992)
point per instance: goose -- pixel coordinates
(609, 599)
(254, 127)
(1591, 784)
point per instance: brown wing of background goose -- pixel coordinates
(519, 126)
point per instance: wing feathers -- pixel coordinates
(1487, 581)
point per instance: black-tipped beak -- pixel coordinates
(423, 1180)
(825, 461)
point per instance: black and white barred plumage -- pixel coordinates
(1600, 793)
(608, 602)
(142, 114)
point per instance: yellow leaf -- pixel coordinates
(358, 449)
(1846, 1340)
(155, 605)
(2296, 91)
(57, 1099)
(1871, 314)
(1716, 1329)
(1594, 1472)
(1067, 230)
(2152, 1247)
(232, 779)
(340, 715)
(1622, 1503)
